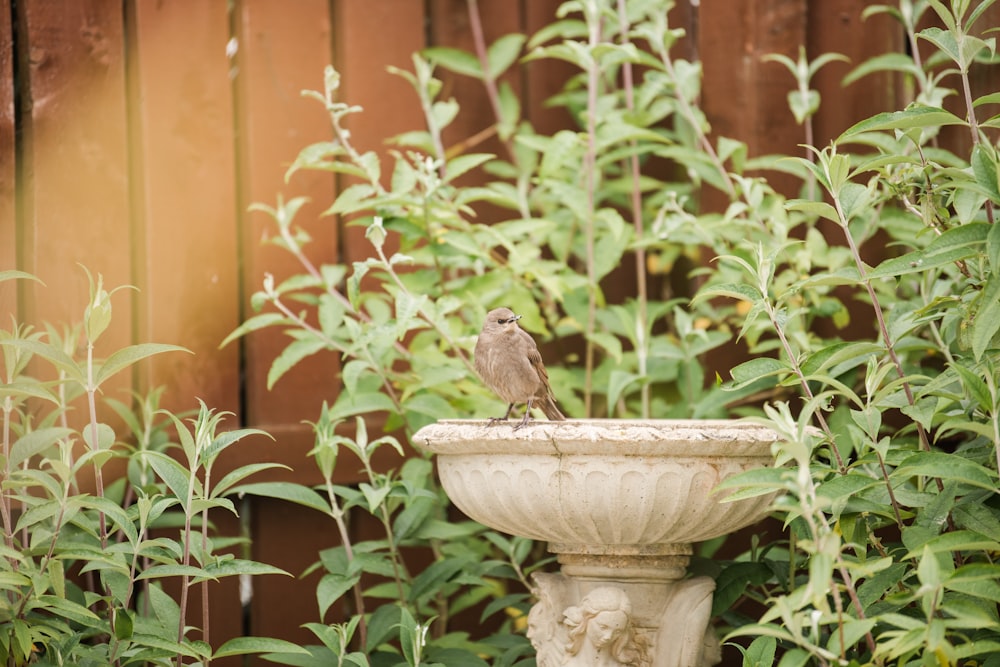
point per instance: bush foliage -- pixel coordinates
(887, 469)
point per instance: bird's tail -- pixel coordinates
(547, 405)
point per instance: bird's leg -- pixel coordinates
(494, 420)
(526, 418)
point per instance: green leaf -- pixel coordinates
(759, 368)
(239, 474)
(412, 517)
(293, 353)
(173, 570)
(381, 625)
(172, 473)
(464, 163)
(502, 53)
(410, 639)
(456, 60)
(255, 323)
(760, 653)
(945, 467)
(238, 567)
(356, 197)
(12, 274)
(51, 353)
(124, 625)
(35, 442)
(975, 387)
(374, 496)
(293, 493)
(888, 62)
(436, 575)
(130, 355)
(618, 382)
(957, 243)
(68, 609)
(954, 541)
(752, 483)
(360, 403)
(105, 436)
(814, 208)
(248, 645)
(987, 321)
(740, 291)
(332, 587)
(984, 168)
(914, 116)
(227, 438)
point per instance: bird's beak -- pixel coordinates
(517, 317)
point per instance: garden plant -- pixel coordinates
(867, 305)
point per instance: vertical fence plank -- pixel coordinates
(75, 194)
(451, 25)
(8, 169)
(368, 37)
(544, 78)
(280, 54)
(744, 96)
(836, 26)
(186, 198)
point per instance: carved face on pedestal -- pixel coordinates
(605, 627)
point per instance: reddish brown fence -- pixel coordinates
(134, 134)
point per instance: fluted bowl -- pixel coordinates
(601, 481)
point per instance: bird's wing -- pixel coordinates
(535, 359)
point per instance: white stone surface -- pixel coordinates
(620, 502)
(600, 482)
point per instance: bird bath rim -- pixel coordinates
(590, 484)
(617, 437)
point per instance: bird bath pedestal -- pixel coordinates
(620, 503)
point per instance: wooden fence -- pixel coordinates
(134, 134)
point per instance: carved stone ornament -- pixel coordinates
(620, 503)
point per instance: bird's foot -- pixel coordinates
(493, 421)
(524, 422)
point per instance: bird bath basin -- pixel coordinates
(620, 503)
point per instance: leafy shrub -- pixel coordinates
(84, 562)
(888, 465)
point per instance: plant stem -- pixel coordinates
(880, 319)
(337, 514)
(479, 44)
(205, 635)
(590, 182)
(94, 439)
(974, 128)
(186, 557)
(387, 265)
(687, 112)
(301, 322)
(642, 298)
(806, 389)
(5, 501)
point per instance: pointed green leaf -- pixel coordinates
(294, 493)
(130, 355)
(252, 645)
(946, 466)
(987, 321)
(35, 442)
(172, 473)
(914, 116)
(456, 60)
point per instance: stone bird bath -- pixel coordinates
(620, 503)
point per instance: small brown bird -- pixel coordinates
(508, 361)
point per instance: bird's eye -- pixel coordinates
(501, 321)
